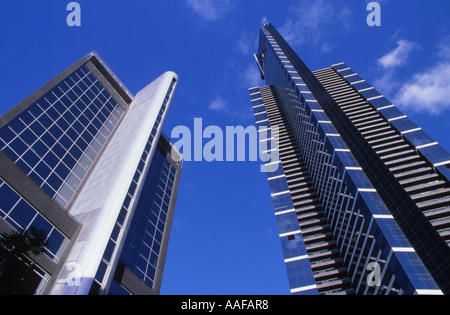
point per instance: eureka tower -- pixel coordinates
(362, 194)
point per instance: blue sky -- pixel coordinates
(224, 238)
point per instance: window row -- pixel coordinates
(65, 136)
(21, 215)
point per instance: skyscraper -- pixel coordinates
(362, 194)
(86, 162)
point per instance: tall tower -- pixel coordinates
(362, 194)
(83, 160)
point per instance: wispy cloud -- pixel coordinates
(218, 104)
(326, 47)
(222, 106)
(443, 48)
(251, 76)
(391, 62)
(398, 56)
(427, 90)
(210, 10)
(245, 45)
(312, 20)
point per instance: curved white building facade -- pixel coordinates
(101, 195)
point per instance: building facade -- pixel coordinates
(362, 194)
(81, 160)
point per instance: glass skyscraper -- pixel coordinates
(86, 162)
(362, 194)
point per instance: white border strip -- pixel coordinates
(290, 233)
(256, 106)
(426, 145)
(385, 107)
(280, 193)
(429, 292)
(383, 216)
(441, 163)
(353, 168)
(398, 118)
(403, 250)
(367, 89)
(306, 288)
(284, 212)
(296, 258)
(411, 130)
(367, 190)
(375, 97)
(276, 177)
(272, 163)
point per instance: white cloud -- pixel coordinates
(210, 10)
(387, 82)
(428, 91)
(219, 104)
(444, 48)
(223, 107)
(251, 76)
(391, 62)
(312, 20)
(425, 91)
(398, 56)
(245, 45)
(326, 47)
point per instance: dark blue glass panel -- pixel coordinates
(346, 72)
(7, 134)
(50, 98)
(340, 66)
(23, 214)
(52, 113)
(37, 128)
(435, 154)
(26, 117)
(17, 126)
(101, 271)
(8, 197)
(404, 125)
(55, 241)
(18, 146)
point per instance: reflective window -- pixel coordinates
(21, 215)
(143, 245)
(50, 138)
